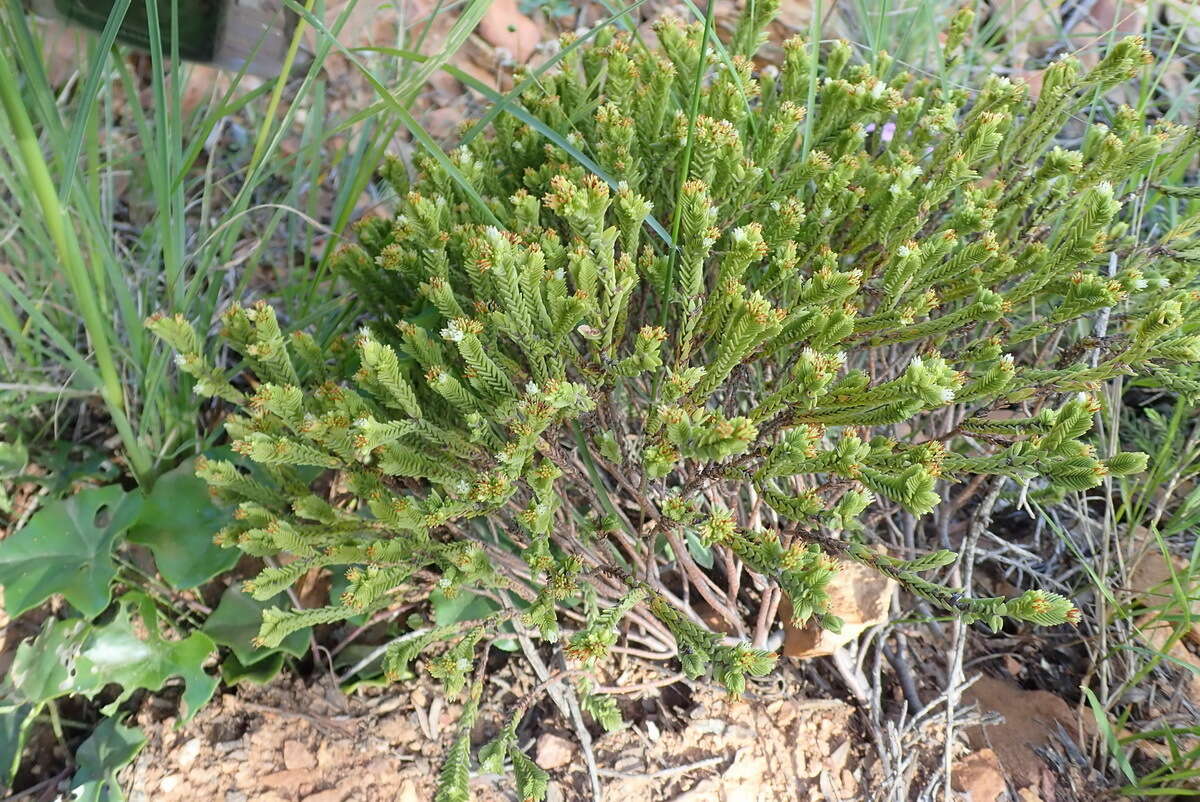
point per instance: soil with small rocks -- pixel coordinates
(292, 742)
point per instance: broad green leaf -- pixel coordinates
(260, 672)
(177, 524)
(235, 623)
(115, 653)
(110, 747)
(460, 607)
(66, 548)
(41, 668)
(75, 656)
(13, 720)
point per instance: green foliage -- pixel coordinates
(177, 523)
(65, 548)
(110, 747)
(72, 547)
(847, 323)
(74, 656)
(235, 623)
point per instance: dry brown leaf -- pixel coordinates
(858, 595)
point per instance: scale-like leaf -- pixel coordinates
(235, 624)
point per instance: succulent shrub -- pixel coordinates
(680, 303)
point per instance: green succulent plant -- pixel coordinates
(682, 303)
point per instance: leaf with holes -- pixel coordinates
(66, 548)
(43, 667)
(76, 656)
(117, 653)
(177, 523)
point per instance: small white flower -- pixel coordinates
(1006, 360)
(452, 332)
(531, 388)
(1163, 282)
(560, 274)
(1140, 284)
(917, 363)
(622, 185)
(947, 395)
(180, 361)
(903, 251)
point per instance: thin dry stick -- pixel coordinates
(980, 521)
(667, 772)
(702, 583)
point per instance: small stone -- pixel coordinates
(297, 756)
(235, 796)
(553, 751)
(628, 763)
(188, 753)
(652, 731)
(837, 758)
(332, 795)
(399, 729)
(408, 792)
(980, 777)
(169, 783)
(288, 778)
